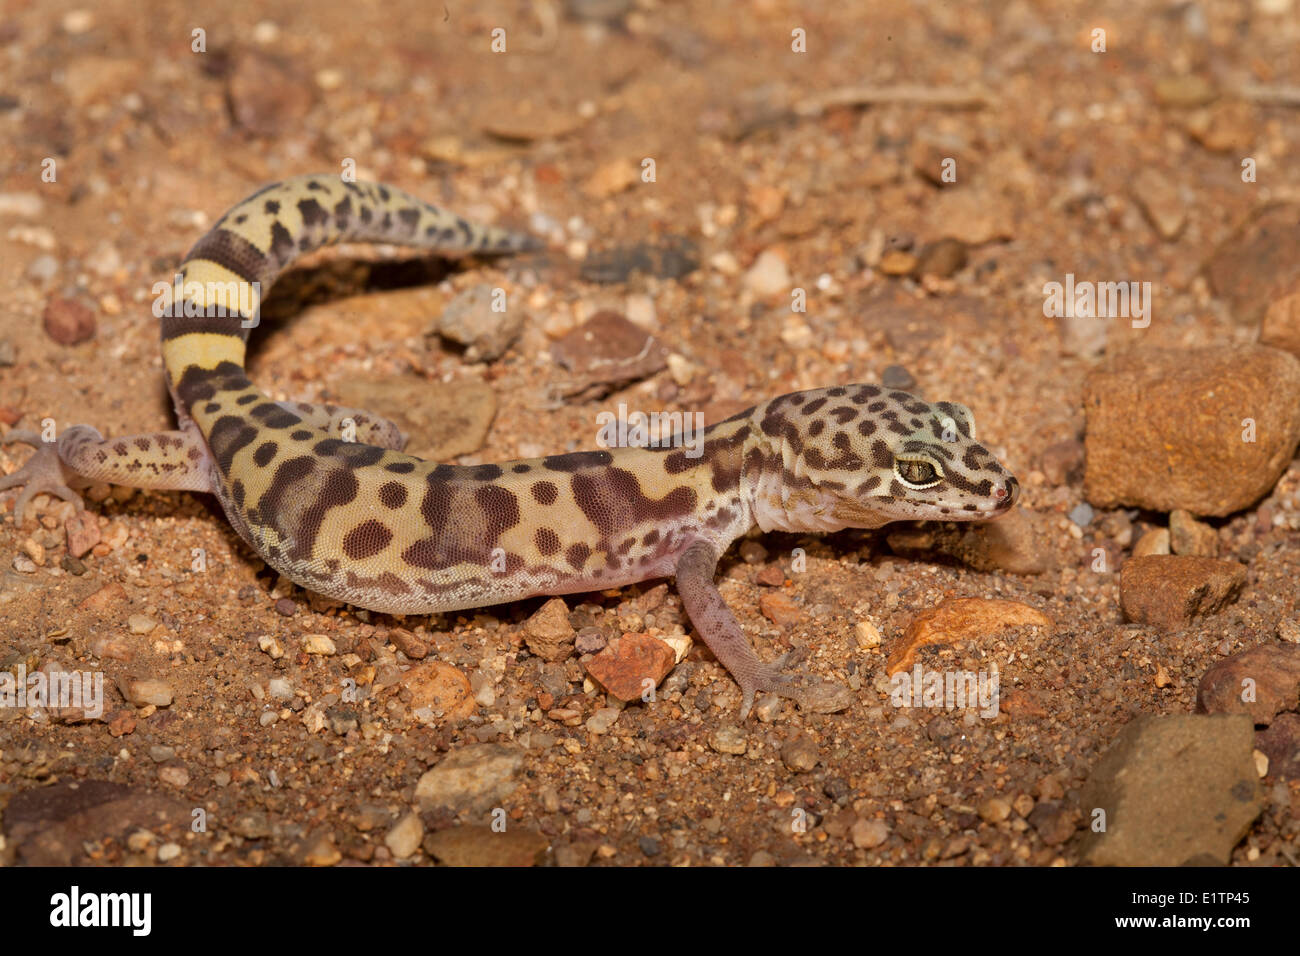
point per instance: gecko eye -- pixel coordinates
(916, 472)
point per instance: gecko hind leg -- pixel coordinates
(721, 631)
(165, 461)
(366, 427)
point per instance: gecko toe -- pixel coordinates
(810, 693)
(826, 697)
(42, 473)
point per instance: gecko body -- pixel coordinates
(365, 523)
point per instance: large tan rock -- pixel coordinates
(1168, 590)
(1210, 430)
(1172, 791)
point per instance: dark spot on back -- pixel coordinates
(366, 539)
(545, 492)
(265, 452)
(577, 555)
(577, 460)
(392, 494)
(547, 541)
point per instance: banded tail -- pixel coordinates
(231, 268)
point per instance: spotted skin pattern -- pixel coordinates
(326, 496)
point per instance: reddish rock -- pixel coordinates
(1210, 430)
(438, 691)
(108, 596)
(779, 609)
(1262, 682)
(606, 350)
(68, 322)
(1259, 264)
(408, 644)
(959, 620)
(1168, 590)
(628, 662)
(1017, 703)
(82, 531)
(121, 723)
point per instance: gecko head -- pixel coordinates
(860, 456)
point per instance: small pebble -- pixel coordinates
(868, 834)
(174, 776)
(68, 322)
(602, 720)
(728, 739)
(143, 691)
(799, 755)
(895, 376)
(994, 810)
(43, 268)
(590, 640)
(768, 276)
(403, 840)
(318, 644)
(78, 21)
(767, 708)
(868, 635)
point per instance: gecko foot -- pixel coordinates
(810, 693)
(43, 472)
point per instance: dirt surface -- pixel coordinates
(299, 731)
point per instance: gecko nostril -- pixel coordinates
(1011, 492)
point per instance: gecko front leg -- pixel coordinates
(721, 631)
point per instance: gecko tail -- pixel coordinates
(214, 302)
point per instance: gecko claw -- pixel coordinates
(810, 693)
(42, 473)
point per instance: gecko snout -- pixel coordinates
(1008, 493)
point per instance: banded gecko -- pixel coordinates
(364, 523)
